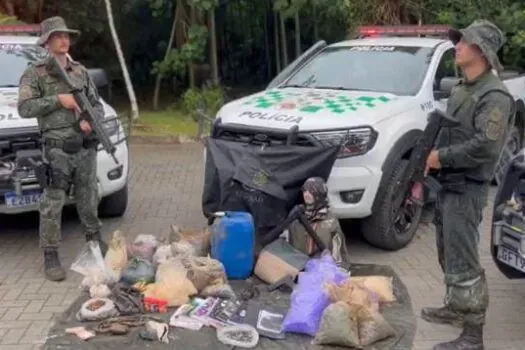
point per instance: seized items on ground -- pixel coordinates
(134, 294)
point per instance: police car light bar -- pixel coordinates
(19, 29)
(404, 30)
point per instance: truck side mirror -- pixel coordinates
(101, 81)
(445, 87)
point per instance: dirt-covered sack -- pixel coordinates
(171, 284)
(339, 326)
(352, 294)
(117, 254)
(372, 326)
(203, 272)
(138, 270)
(143, 247)
(96, 309)
(381, 285)
(195, 243)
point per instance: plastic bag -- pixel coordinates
(117, 254)
(352, 294)
(138, 270)
(372, 326)
(242, 336)
(99, 291)
(97, 309)
(308, 300)
(90, 263)
(171, 284)
(143, 247)
(190, 243)
(339, 326)
(162, 254)
(381, 285)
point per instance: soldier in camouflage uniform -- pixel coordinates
(322, 220)
(69, 147)
(468, 153)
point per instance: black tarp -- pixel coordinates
(264, 181)
(399, 314)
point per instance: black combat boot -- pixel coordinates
(470, 339)
(52, 267)
(97, 237)
(442, 315)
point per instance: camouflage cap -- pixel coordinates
(486, 35)
(54, 25)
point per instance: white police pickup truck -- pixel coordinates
(19, 188)
(378, 89)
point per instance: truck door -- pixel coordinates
(446, 69)
(298, 62)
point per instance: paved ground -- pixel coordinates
(165, 189)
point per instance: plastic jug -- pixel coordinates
(233, 243)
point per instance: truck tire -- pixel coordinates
(381, 229)
(114, 205)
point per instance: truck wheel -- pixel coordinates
(114, 205)
(381, 229)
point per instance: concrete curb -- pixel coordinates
(162, 139)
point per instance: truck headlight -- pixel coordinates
(111, 125)
(354, 142)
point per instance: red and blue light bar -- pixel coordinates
(404, 30)
(19, 29)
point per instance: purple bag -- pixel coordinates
(308, 300)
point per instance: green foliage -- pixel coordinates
(211, 99)
(288, 8)
(205, 5)
(178, 59)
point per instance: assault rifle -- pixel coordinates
(87, 110)
(297, 213)
(415, 171)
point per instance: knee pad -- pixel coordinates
(58, 180)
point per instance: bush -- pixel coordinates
(211, 99)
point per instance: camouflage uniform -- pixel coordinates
(485, 108)
(70, 155)
(323, 222)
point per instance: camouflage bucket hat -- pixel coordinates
(55, 25)
(484, 34)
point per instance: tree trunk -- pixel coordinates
(316, 26)
(297, 35)
(276, 38)
(267, 42)
(213, 48)
(284, 42)
(191, 72)
(168, 49)
(120, 55)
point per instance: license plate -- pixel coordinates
(511, 258)
(25, 200)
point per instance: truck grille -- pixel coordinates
(270, 137)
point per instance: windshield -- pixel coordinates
(399, 70)
(14, 59)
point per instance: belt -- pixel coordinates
(70, 146)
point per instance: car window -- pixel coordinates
(14, 59)
(446, 67)
(398, 70)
